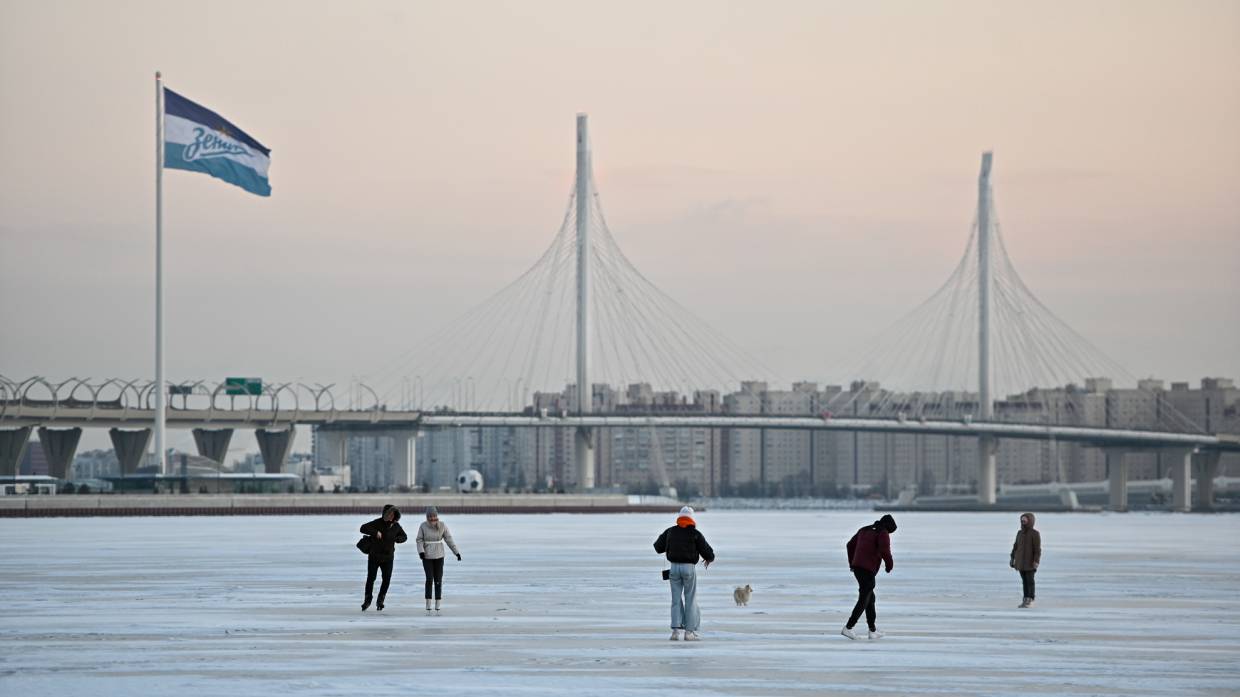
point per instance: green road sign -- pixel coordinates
(243, 386)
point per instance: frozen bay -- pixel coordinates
(1128, 604)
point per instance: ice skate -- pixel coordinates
(675, 635)
(692, 636)
(1024, 602)
(876, 635)
(848, 632)
(1029, 602)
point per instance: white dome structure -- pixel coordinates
(469, 482)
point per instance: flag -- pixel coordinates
(200, 140)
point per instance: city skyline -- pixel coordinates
(1209, 406)
(728, 461)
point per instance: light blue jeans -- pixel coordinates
(685, 614)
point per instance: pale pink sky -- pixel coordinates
(799, 174)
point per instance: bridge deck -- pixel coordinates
(383, 420)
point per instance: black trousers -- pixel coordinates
(373, 565)
(865, 599)
(434, 576)
(1026, 580)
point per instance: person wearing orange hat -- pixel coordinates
(683, 545)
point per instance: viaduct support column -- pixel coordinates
(329, 448)
(274, 446)
(59, 447)
(12, 447)
(213, 443)
(403, 460)
(130, 447)
(1207, 470)
(584, 450)
(1117, 477)
(1181, 471)
(987, 470)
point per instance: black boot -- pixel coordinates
(366, 604)
(379, 605)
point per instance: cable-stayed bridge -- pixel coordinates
(543, 352)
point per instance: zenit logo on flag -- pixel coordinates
(200, 140)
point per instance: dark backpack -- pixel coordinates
(365, 544)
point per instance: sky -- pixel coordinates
(797, 174)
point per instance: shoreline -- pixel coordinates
(129, 505)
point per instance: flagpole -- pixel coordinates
(160, 390)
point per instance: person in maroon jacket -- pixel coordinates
(869, 547)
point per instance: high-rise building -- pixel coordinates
(370, 462)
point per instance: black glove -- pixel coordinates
(458, 556)
(421, 555)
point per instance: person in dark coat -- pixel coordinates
(683, 545)
(868, 548)
(387, 533)
(1026, 555)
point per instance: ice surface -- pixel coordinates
(1131, 604)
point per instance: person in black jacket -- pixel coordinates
(684, 545)
(387, 533)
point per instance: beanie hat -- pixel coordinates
(431, 511)
(685, 518)
(887, 523)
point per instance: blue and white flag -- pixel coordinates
(200, 140)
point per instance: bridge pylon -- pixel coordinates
(584, 440)
(987, 460)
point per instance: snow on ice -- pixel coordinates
(1131, 604)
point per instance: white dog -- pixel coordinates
(741, 595)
